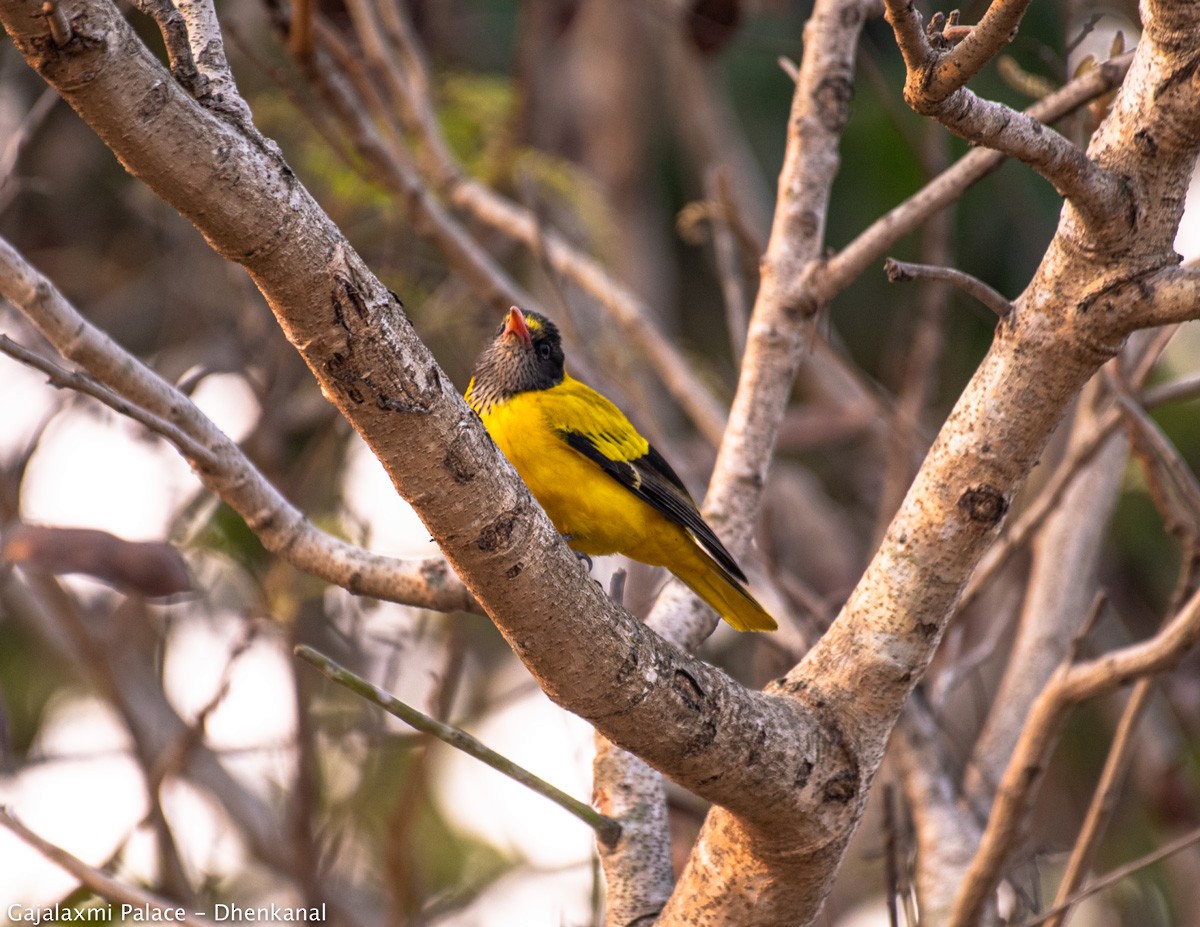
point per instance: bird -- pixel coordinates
(605, 488)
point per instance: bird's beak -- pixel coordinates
(514, 324)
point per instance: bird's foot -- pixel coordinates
(581, 557)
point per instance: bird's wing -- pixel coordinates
(590, 424)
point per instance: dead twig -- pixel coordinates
(903, 272)
(607, 830)
(127, 896)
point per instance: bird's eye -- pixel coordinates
(544, 349)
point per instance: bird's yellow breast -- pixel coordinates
(597, 513)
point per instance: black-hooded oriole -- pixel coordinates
(602, 484)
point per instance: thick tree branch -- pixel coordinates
(406, 76)
(677, 712)
(712, 893)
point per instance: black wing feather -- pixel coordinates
(652, 480)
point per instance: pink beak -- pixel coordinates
(514, 324)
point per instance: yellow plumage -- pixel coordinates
(599, 480)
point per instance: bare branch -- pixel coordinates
(834, 274)
(66, 379)
(723, 222)
(127, 385)
(935, 87)
(1169, 296)
(1103, 804)
(903, 272)
(1071, 685)
(607, 830)
(102, 884)
(1172, 484)
(980, 45)
(175, 39)
(219, 91)
(1119, 874)
(911, 39)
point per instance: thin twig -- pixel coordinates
(26, 131)
(605, 827)
(99, 882)
(903, 272)
(1119, 874)
(716, 189)
(1172, 484)
(1104, 800)
(300, 36)
(60, 28)
(1088, 623)
(891, 866)
(1185, 389)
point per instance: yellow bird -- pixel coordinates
(602, 484)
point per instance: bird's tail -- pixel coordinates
(728, 597)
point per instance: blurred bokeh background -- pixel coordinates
(619, 124)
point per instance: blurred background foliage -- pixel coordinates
(509, 99)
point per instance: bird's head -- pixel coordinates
(526, 354)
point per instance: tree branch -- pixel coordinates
(983, 42)
(607, 830)
(1072, 684)
(677, 712)
(903, 272)
(102, 884)
(935, 86)
(834, 274)
(1169, 297)
(219, 462)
